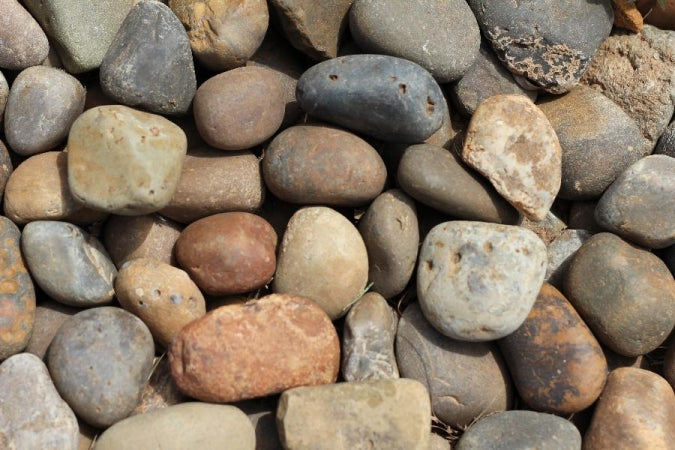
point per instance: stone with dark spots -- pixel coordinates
(404, 102)
(665, 146)
(22, 41)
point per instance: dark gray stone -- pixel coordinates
(385, 97)
(149, 63)
(262, 414)
(665, 146)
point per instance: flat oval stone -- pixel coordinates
(218, 357)
(124, 161)
(228, 253)
(316, 241)
(405, 104)
(149, 63)
(560, 252)
(556, 363)
(42, 105)
(640, 204)
(99, 360)
(33, 415)
(438, 178)
(84, 275)
(626, 295)
(478, 281)
(49, 316)
(22, 41)
(314, 164)
(17, 294)
(511, 142)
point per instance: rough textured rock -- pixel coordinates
(665, 146)
(560, 252)
(49, 316)
(478, 281)
(627, 15)
(258, 348)
(405, 104)
(510, 141)
(22, 41)
(392, 414)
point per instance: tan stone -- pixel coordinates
(626, 15)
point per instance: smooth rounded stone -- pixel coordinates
(626, 295)
(160, 391)
(440, 35)
(594, 152)
(22, 42)
(315, 164)
(4, 93)
(149, 236)
(438, 178)
(547, 229)
(84, 274)
(240, 108)
(392, 414)
(223, 34)
(390, 231)
(49, 316)
(450, 128)
(465, 380)
(512, 143)
(6, 166)
(636, 410)
(665, 145)
(38, 190)
(368, 340)
(551, 44)
(556, 363)
(560, 252)
(42, 105)
(636, 72)
(33, 415)
(262, 347)
(316, 241)
(640, 204)
(17, 294)
(405, 104)
(228, 253)
(523, 430)
(478, 281)
(213, 182)
(124, 161)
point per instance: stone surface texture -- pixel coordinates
(22, 41)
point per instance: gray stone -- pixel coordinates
(404, 102)
(84, 273)
(99, 360)
(478, 281)
(149, 63)
(548, 42)
(22, 41)
(49, 316)
(391, 414)
(560, 252)
(665, 146)
(640, 204)
(32, 415)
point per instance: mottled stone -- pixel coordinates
(84, 273)
(49, 316)
(391, 414)
(560, 252)
(160, 391)
(510, 141)
(22, 41)
(665, 146)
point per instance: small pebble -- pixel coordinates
(22, 42)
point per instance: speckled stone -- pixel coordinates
(22, 41)
(49, 316)
(560, 252)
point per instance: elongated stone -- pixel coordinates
(22, 41)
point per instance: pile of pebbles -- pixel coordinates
(335, 224)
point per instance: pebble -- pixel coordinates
(626, 295)
(223, 34)
(228, 253)
(84, 275)
(49, 316)
(549, 43)
(405, 104)
(368, 340)
(665, 145)
(390, 231)
(391, 414)
(465, 380)
(439, 178)
(124, 161)
(162, 296)
(512, 143)
(636, 410)
(17, 294)
(262, 347)
(4, 93)
(318, 240)
(521, 429)
(547, 229)
(213, 182)
(99, 361)
(315, 164)
(478, 281)
(160, 391)
(594, 152)
(240, 108)
(33, 415)
(640, 204)
(560, 252)
(22, 42)
(440, 35)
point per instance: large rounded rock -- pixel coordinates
(22, 41)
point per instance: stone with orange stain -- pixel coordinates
(627, 15)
